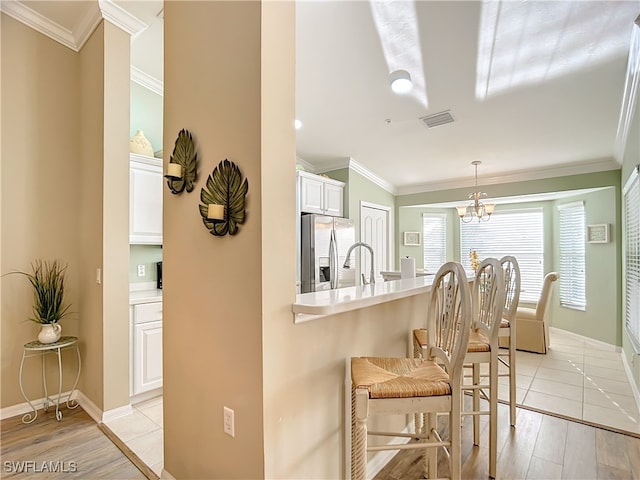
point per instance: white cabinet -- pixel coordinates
(321, 195)
(145, 200)
(146, 347)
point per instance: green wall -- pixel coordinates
(147, 255)
(630, 160)
(146, 115)
(602, 320)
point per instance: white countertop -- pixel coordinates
(137, 297)
(314, 305)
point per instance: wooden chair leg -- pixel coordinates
(431, 454)
(512, 378)
(455, 425)
(493, 414)
(358, 435)
(476, 403)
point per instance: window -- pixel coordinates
(632, 256)
(572, 268)
(509, 232)
(434, 228)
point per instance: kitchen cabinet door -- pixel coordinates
(145, 200)
(320, 195)
(311, 195)
(333, 199)
(147, 358)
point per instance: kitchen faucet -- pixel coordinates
(347, 262)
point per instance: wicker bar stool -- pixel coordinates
(488, 294)
(508, 328)
(426, 386)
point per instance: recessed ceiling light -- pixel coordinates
(401, 82)
(298, 124)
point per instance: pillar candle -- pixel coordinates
(215, 212)
(174, 170)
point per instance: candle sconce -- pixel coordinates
(182, 166)
(223, 200)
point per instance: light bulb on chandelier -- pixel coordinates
(476, 209)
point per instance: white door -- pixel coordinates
(374, 230)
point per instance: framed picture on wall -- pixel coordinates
(598, 233)
(412, 239)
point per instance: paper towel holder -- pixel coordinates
(412, 239)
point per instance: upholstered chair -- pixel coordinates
(532, 324)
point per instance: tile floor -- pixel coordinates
(142, 432)
(576, 378)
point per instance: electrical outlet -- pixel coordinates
(229, 422)
(141, 270)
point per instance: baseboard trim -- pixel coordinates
(22, 408)
(164, 475)
(632, 383)
(88, 406)
(598, 343)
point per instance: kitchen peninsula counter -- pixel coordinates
(315, 305)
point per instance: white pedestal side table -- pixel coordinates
(34, 349)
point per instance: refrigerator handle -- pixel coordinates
(333, 261)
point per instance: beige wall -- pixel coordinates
(115, 252)
(229, 336)
(40, 199)
(212, 290)
(65, 195)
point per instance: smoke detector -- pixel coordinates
(437, 119)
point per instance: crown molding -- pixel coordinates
(74, 39)
(147, 81)
(22, 13)
(121, 18)
(355, 166)
(601, 165)
(308, 167)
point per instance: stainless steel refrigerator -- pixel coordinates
(324, 244)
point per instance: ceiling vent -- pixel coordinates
(437, 119)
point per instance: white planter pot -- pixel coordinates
(50, 333)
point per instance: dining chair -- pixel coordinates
(488, 296)
(533, 323)
(507, 330)
(425, 386)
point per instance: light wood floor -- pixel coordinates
(540, 447)
(72, 448)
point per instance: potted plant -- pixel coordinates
(47, 279)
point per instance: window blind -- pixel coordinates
(510, 232)
(434, 234)
(572, 264)
(632, 256)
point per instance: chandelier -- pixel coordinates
(476, 209)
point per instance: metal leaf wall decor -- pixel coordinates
(225, 186)
(184, 154)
